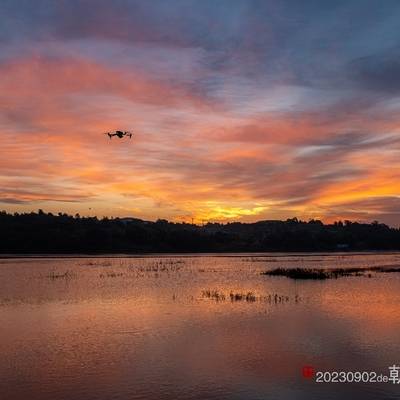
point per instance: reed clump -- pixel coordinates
(248, 297)
(111, 274)
(53, 275)
(328, 273)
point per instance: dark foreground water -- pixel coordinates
(184, 327)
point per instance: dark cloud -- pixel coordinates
(378, 72)
(385, 209)
(302, 41)
(350, 142)
(376, 205)
(10, 200)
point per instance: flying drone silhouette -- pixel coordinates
(119, 134)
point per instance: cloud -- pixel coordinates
(378, 72)
(243, 110)
(11, 200)
(385, 209)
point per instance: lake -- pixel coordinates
(194, 327)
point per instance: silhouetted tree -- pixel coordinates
(47, 233)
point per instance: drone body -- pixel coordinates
(119, 134)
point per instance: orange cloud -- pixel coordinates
(190, 157)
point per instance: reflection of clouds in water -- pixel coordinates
(156, 337)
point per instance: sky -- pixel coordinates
(242, 110)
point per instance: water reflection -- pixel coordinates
(158, 328)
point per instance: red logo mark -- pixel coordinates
(308, 371)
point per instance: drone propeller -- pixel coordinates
(120, 134)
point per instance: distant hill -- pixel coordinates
(47, 233)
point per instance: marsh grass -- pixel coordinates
(213, 294)
(147, 269)
(248, 297)
(53, 275)
(166, 266)
(329, 273)
(388, 268)
(111, 274)
(96, 263)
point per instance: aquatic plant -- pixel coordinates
(328, 273)
(213, 294)
(249, 297)
(111, 274)
(298, 273)
(58, 275)
(96, 263)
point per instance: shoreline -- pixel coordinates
(197, 254)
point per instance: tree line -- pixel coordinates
(40, 232)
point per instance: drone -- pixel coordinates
(119, 134)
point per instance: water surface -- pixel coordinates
(193, 327)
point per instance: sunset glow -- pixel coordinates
(246, 111)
